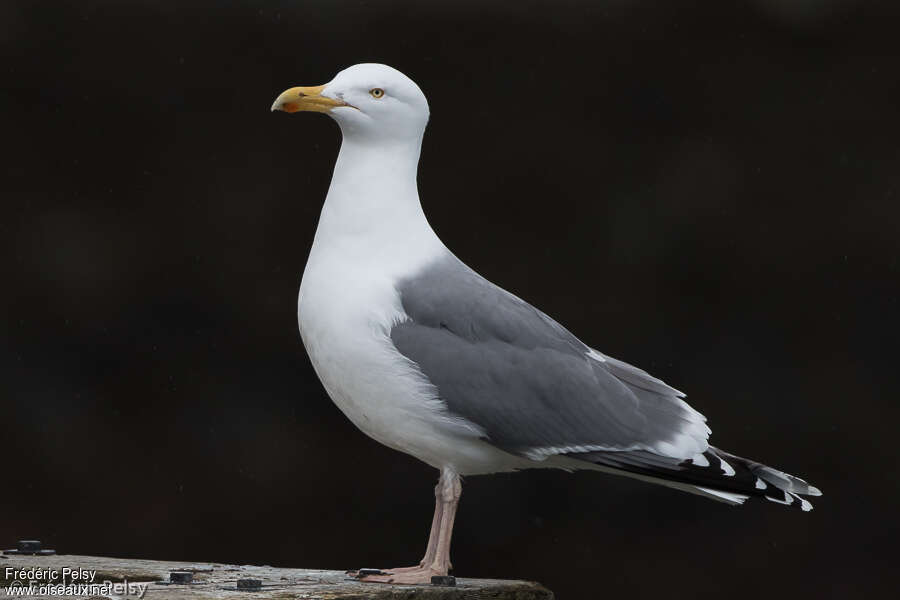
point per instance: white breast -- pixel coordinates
(372, 233)
(345, 315)
(347, 306)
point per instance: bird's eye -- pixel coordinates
(376, 92)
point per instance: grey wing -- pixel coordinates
(527, 382)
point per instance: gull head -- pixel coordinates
(369, 102)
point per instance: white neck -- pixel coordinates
(372, 211)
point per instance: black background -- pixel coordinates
(705, 189)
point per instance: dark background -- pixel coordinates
(705, 189)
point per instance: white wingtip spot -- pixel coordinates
(814, 491)
(727, 469)
(700, 460)
(788, 500)
(760, 484)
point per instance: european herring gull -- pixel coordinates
(427, 357)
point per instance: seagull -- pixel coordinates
(427, 357)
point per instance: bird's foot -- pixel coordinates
(421, 565)
(402, 569)
(401, 575)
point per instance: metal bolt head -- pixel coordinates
(249, 584)
(32, 547)
(29, 546)
(181, 576)
(448, 580)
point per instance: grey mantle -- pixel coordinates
(214, 580)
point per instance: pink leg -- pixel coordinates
(437, 555)
(450, 497)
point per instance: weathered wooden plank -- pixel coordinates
(219, 581)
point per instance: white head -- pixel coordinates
(369, 101)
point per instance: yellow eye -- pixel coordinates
(376, 92)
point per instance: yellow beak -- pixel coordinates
(305, 98)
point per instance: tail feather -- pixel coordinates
(714, 473)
